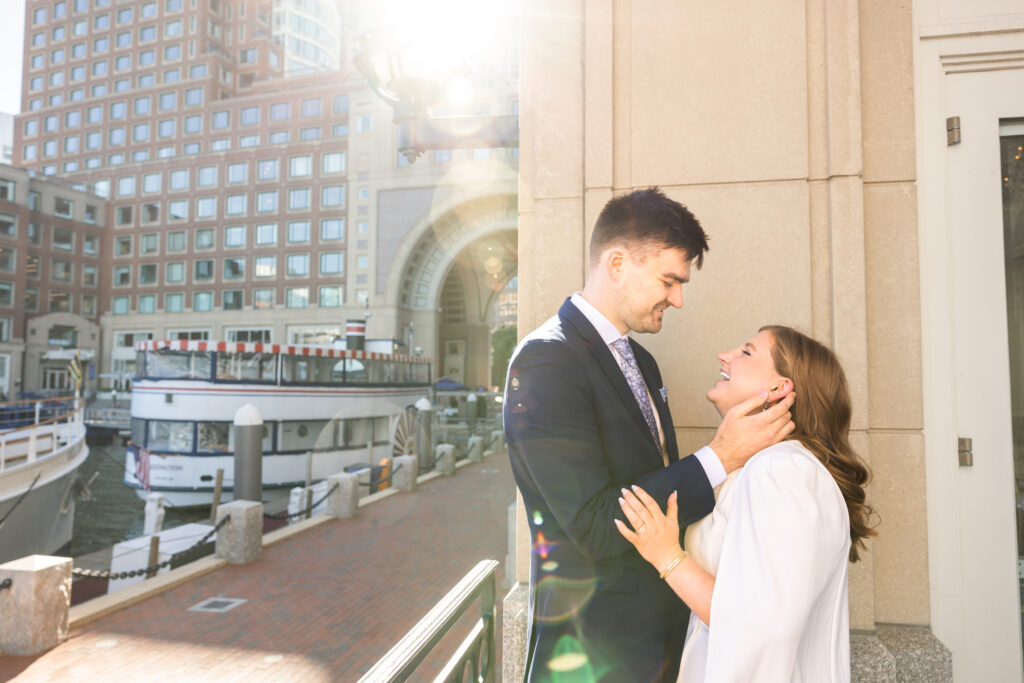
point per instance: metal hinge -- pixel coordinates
(965, 451)
(953, 130)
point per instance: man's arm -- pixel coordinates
(555, 440)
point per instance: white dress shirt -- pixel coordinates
(713, 467)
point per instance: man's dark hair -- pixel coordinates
(647, 219)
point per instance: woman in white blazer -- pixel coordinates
(765, 574)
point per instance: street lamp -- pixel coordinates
(412, 79)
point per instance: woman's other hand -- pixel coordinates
(655, 534)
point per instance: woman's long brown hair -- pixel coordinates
(821, 414)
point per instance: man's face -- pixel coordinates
(651, 281)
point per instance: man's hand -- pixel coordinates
(746, 429)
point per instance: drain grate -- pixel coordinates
(216, 605)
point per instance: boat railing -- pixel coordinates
(26, 443)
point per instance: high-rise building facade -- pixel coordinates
(241, 204)
(310, 33)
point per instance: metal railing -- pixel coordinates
(44, 436)
(474, 659)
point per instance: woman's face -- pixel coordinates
(745, 372)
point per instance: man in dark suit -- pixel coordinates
(586, 414)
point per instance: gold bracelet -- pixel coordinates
(674, 564)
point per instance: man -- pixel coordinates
(586, 414)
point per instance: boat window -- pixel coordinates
(140, 363)
(164, 363)
(355, 371)
(138, 432)
(421, 373)
(170, 437)
(214, 437)
(260, 367)
(311, 370)
(376, 369)
(382, 430)
(306, 435)
(358, 431)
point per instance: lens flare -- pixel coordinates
(538, 518)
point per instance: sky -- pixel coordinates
(12, 35)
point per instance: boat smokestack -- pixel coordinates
(355, 335)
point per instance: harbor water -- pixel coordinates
(113, 512)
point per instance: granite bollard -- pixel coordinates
(475, 449)
(34, 607)
(497, 440)
(240, 540)
(445, 459)
(406, 472)
(343, 501)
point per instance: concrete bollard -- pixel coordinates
(248, 474)
(296, 502)
(407, 469)
(510, 554)
(424, 426)
(475, 449)
(343, 501)
(240, 540)
(445, 461)
(497, 440)
(34, 608)
(153, 523)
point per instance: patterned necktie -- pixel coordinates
(636, 383)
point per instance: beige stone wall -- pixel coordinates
(788, 128)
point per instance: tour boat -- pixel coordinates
(324, 409)
(42, 445)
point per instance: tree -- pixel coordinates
(503, 343)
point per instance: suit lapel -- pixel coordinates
(609, 366)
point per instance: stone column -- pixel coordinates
(343, 501)
(424, 438)
(34, 608)
(406, 471)
(445, 460)
(248, 475)
(154, 514)
(497, 441)
(475, 449)
(240, 541)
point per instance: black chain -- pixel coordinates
(285, 515)
(5, 584)
(107, 574)
(371, 483)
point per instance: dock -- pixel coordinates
(322, 605)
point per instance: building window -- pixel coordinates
(149, 243)
(234, 236)
(266, 234)
(234, 268)
(263, 298)
(204, 238)
(267, 169)
(299, 199)
(178, 210)
(123, 245)
(278, 137)
(248, 140)
(265, 267)
(179, 179)
(89, 305)
(332, 195)
(174, 272)
(207, 176)
(147, 303)
(8, 225)
(220, 120)
(280, 111)
(300, 167)
(249, 116)
(297, 265)
(32, 269)
(298, 231)
(266, 202)
(364, 123)
(333, 162)
(206, 207)
(235, 205)
(194, 124)
(9, 259)
(238, 173)
(330, 296)
(310, 133)
(231, 300)
(202, 270)
(332, 263)
(90, 277)
(202, 301)
(122, 276)
(121, 305)
(31, 300)
(35, 234)
(296, 297)
(60, 302)
(311, 107)
(362, 261)
(148, 274)
(174, 303)
(176, 240)
(193, 97)
(63, 239)
(60, 270)
(90, 244)
(63, 208)
(340, 104)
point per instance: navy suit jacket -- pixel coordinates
(576, 436)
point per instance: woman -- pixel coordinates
(766, 572)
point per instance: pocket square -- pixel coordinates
(664, 394)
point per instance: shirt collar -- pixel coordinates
(609, 333)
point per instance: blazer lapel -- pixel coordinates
(609, 366)
(651, 376)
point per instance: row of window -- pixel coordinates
(97, 90)
(291, 436)
(265, 367)
(299, 199)
(332, 263)
(265, 234)
(58, 301)
(31, 150)
(328, 296)
(58, 78)
(61, 270)
(60, 237)
(147, 10)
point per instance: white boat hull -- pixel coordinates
(41, 524)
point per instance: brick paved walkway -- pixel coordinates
(322, 606)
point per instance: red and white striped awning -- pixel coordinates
(237, 347)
